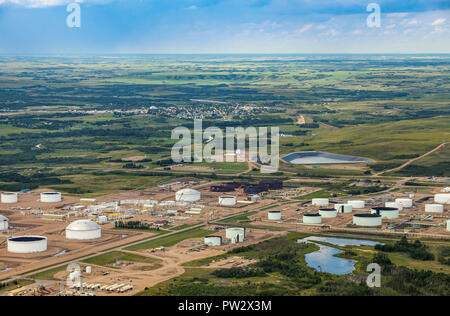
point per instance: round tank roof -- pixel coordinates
(315, 215)
(27, 238)
(385, 209)
(367, 215)
(83, 225)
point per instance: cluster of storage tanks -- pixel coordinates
(46, 197)
(78, 230)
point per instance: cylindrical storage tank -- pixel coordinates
(4, 223)
(448, 225)
(434, 208)
(274, 215)
(394, 204)
(27, 244)
(367, 220)
(103, 219)
(386, 212)
(187, 195)
(312, 219)
(320, 202)
(405, 203)
(9, 197)
(236, 235)
(227, 201)
(51, 197)
(88, 269)
(83, 230)
(213, 241)
(343, 208)
(328, 213)
(357, 204)
(442, 198)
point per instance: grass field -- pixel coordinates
(167, 241)
(112, 257)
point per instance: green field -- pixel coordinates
(112, 257)
(167, 241)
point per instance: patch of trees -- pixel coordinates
(416, 249)
(239, 273)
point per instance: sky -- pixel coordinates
(224, 26)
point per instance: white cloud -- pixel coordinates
(304, 29)
(439, 22)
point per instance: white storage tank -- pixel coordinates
(448, 225)
(328, 213)
(356, 204)
(227, 200)
(4, 223)
(51, 197)
(9, 197)
(312, 219)
(386, 212)
(274, 215)
(213, 241)
(320, 202)
(343, 208)
(394, 204)
(236, 235)
(188, 195)
(405, 203)
(434, 208)
(442, 198)
(27, 244)
(367, 220)
(83, 230)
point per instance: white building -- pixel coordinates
(357, 204)
(213, 241)
(320, 202)
(434, 208)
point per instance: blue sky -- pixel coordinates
(225, 26)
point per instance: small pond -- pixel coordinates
(325, 260)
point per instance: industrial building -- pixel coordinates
(274, 215)
(27, 244)
(442, 198)
(312, 219)
(328, 213)
(83, 230)
(188, 195)
(213, 241)
(51, 197)
(356, 204)
(367, 220)
(320, 202)
(394, 204)
(343, 208)
(4, 223)
(236, 235)
(405, 203)
(434, 208)
(386, 212)
(9, 197)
